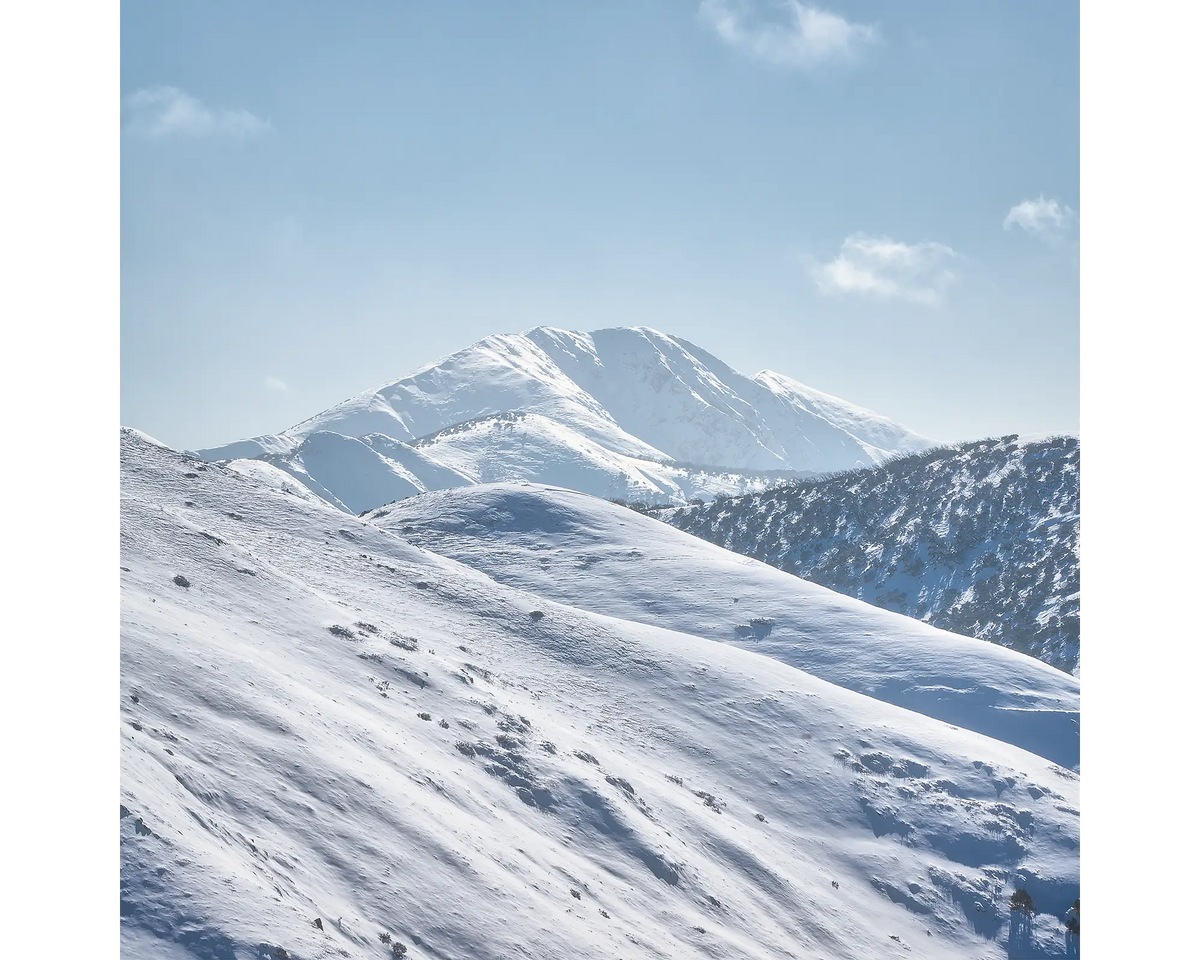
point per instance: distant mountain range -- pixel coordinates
(626, 413)
(981, 539)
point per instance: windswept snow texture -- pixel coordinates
(611, 560)
(321, 721)
(625, 413)
(980, 538)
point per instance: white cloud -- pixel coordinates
(787, 33)
(1047, 220)
(159, 112)
(274, 383)
(887, 269)
(1053, 223)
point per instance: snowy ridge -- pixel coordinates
(980, 538)
(602, 557)
(622, 409)
(882, 435)
(322, 721)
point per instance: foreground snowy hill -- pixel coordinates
(980, 538)
(323, 722)
(606, 558)
(626, 412)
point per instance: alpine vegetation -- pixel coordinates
(979, 538)
(338, 743)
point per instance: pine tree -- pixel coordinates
(1022, 901)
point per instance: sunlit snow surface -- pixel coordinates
(624, 412)
(980, 538)
(608, 559)
(584, 786)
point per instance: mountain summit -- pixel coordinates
(621, 412)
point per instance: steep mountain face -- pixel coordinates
(981, 539)
(626, 413)
(697, 409)
(321, 721)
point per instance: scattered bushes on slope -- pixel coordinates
(1021, 901)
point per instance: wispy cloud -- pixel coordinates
(1054, 223)
(1048, 220)
(159, 112)
(274, 383)
(787, 33)
(887, 270)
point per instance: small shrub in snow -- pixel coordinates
(181, 581)
(709, 800)
(385, 937)
(399, 949)
(1021, 901)
(344, 632)
(425, 716)
(577, 895)
(536, 614)
(1073, 918)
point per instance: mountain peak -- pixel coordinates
(628, 412)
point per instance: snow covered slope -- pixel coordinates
(626, 412)
(532, 447)
(980, 538)
(603, 557)
(355, 475)
(697, 409)
(321, 721)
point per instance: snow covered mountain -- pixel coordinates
(336, 743)
(980, 538)
(602, 557)
(622, 413)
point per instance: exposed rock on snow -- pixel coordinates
(586, 786)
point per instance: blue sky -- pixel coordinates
(880, 200)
